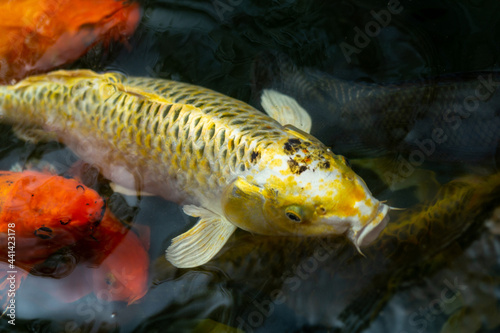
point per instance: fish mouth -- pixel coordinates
(373, 228)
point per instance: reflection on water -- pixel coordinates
(435, 266)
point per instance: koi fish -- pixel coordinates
(41, 213)
(38, 36)
(224, 161)
(122, 259)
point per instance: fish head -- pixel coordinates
(300, 188)
(65, 205)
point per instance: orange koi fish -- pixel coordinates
(39, 214)
(39, 35)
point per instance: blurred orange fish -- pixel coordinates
(41, 213)
(39, 35)
(123, 273)
(116, 252)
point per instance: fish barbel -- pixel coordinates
(225, 161)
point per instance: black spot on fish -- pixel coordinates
(295, 167)
(43, 233)
(291, 146)
(80, 188)
(65, 221)
(254, 156)
(324, 165)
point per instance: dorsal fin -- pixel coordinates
(285, 110)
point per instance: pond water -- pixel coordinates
(378, 78)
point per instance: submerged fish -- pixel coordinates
(443, 119)
(39, 35)
(119, 261)
(226, 162)
(114, 262)
(41, 213)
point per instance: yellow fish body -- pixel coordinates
(225, 161)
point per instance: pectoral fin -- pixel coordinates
(285, 110)
(203, 241)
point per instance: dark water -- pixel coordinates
(442, 276)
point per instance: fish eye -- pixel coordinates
(294, 213)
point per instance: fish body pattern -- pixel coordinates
(226, 162)
(446, 119)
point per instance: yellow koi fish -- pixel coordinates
(226, 162)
